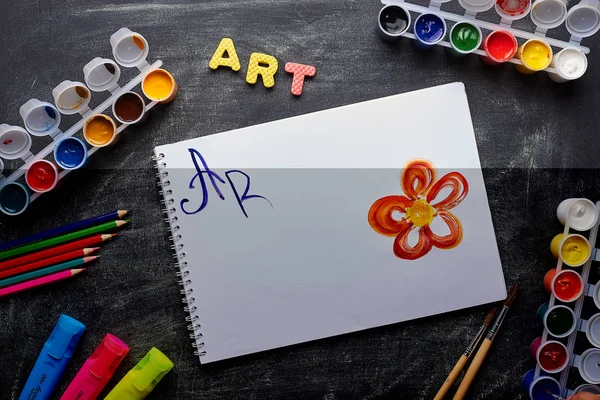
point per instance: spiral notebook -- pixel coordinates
(331, 222)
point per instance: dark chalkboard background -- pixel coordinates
(537, 141)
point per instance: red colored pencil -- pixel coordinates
(48, 261)
(44, 280)
(55, 251)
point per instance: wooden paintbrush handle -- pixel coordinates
(473, 369)
(452, 377)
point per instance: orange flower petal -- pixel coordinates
(403, 250)
(380, 214)
(460, 189)
(417, 177)
(450, 240)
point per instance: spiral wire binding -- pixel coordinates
(178, 254)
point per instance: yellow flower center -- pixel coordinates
(420, 214)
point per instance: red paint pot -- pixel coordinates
(552, 356)
(567, 286)
(499, 46)
(42, 176)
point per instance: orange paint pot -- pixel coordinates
(567, 286)
(548, 278)
(159, 85)
(100, 130)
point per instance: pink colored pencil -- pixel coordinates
(59, 276)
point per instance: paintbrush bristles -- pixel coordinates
(512, 294)
(490, 317)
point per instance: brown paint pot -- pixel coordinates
(129, 108)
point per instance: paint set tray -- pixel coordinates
(571, 380)
(582, 20)
(130, 50)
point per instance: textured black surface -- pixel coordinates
(537, 141)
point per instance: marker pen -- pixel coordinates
(53, 359)
(97, 370)
(139, 382)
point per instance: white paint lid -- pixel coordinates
(589, 366)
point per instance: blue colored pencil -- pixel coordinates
(111, 216)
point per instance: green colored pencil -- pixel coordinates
(45, 271)
(61, 239)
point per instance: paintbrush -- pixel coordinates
(557, 397)
(485, 346)
(462, 361)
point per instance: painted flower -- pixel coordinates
(399, 215)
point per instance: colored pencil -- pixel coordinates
(462, 361)
(46, 262)
(485, 346)
(61, 239)
(55, 251)
(45, 271)
(111, 216)
(59, 276)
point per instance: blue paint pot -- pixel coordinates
(70, 153)
(429, 30)
(541, 311)
(536, 388)
(14, 198)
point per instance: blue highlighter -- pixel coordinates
(53, 359)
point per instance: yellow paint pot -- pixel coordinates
(159, 85)
(535, 54)
(575, 250)
(555, 245)
(100, 130)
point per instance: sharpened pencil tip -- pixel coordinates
(90, 258)
(120, 223)
(122, 213)
(77, 271)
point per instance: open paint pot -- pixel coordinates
(14, 198)
(70, 153)
(552, 356)
(560, 321)
(392, 22)
(589, 366)
(583, 20)
(15, 142)
(574, 250)
(569, 63)
(130, 49)
(567, 286)
(100, 130)
(512, 10)
(71, 97)
(429, 30)
(159, 85)
(541, 388)
(592, 330)
(465, 37)
(548, 14)
(40, 118)
(499, 46)
(102, 74)
(593, 389)
(580, 214)
(129, 108)
(42, 176)
(535, 54)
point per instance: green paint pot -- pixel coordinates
(465, 37)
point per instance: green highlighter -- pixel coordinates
(139, 382)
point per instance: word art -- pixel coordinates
(264, 65)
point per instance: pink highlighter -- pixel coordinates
(97, 370)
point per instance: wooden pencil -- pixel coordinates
(485, 346)
(111, 216)
(47, 262)
(61, 239)
(55, 251)
(45, 280)
(45, 271)
(462, 361)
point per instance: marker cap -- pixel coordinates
(64, 337)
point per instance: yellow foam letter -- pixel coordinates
(267, 72)
(219, 60)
